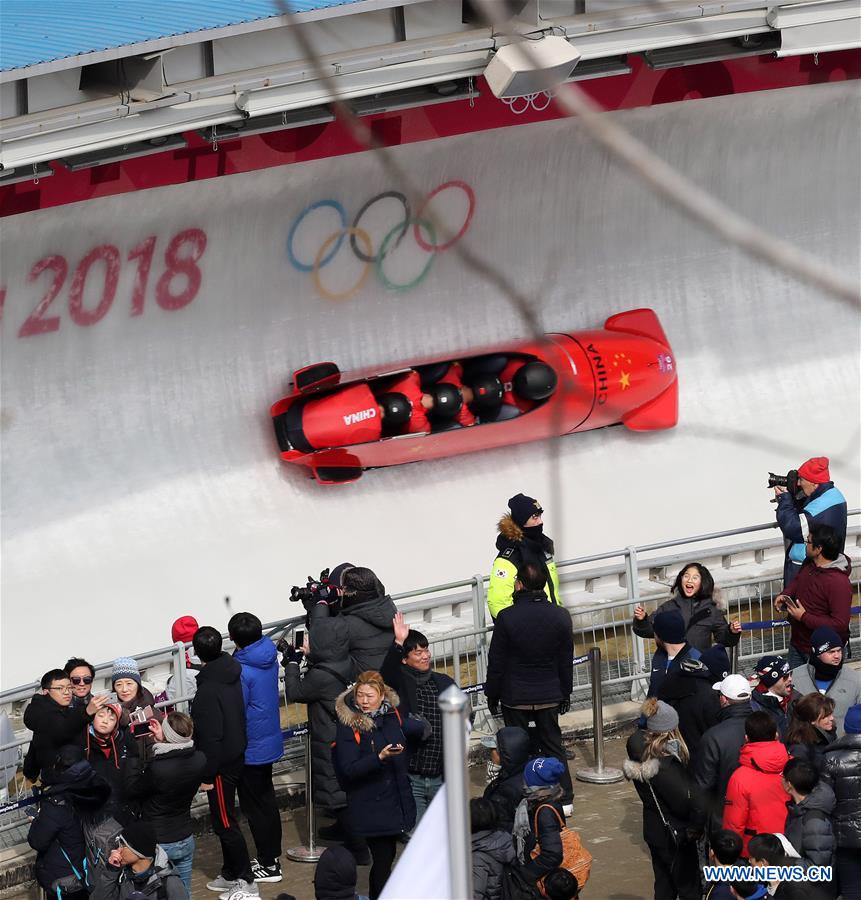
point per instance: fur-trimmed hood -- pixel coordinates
(511, 534)
(641, 771)
(509, 529)
(348, 715)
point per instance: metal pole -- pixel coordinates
(597, 774)
(179, 673)
(638, 651)
(454, 705)
(308, 852)
(733, 659)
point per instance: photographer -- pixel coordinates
(328, 673)
(368, 612)
(820, 503)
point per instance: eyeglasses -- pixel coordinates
(65, 689)
(82, 679)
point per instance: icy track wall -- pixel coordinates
(145, 336)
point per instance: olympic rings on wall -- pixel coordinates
(336, 238)
(538, 101)
(370, 252)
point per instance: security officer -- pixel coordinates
(521, 540)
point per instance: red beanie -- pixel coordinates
(815, 470)
(183, 629)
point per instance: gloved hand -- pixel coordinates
(493, 705)
(291, 655)
(564, 706)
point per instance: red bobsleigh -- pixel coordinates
(624, 373)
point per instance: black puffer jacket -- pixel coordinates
(842, 768)
(56, 831)
(718, 754)
(329, 673)
(491, 851)
(814, 752)
(218, 710)
(53, 726)
(110, 759)
(165, 786)
(808, 825)
(369, 629)
(676, 792)
(531, 656)
(688, 689)
(705, 622)
(506, 790)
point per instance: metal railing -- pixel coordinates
(606, 626)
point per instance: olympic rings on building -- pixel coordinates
(362, 244)
(337, 238)
(538, 101)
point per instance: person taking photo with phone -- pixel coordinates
(372, 767)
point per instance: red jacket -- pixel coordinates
(410, 386)
(755, 798)
(825, 592)
(454, 376)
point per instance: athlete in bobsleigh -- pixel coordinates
(504, 388)
(356, 415)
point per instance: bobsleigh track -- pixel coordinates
(145, 336)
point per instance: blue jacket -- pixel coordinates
(262, 700)
(825, 506)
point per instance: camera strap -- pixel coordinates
(333, 673)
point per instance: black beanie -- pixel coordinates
(360, 580)
(140, 837)
(523, 508)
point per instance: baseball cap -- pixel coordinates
(733, 687)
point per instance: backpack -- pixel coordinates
(515, 886)
(575, 857)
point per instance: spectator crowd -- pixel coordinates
(731, 769)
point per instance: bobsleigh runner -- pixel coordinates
(338, 424)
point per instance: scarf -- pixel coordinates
(159, 749)
(533, 532)
(385, 707)
(420, 678)
(825, 671)
(522, 821)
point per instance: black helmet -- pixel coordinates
(534, 381)
(447, 400)
(395, 407)
(486, 392)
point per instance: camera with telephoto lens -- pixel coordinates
(788, 481)
(315, 591)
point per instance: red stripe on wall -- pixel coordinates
(199, 161)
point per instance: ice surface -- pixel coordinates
(140, 476)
